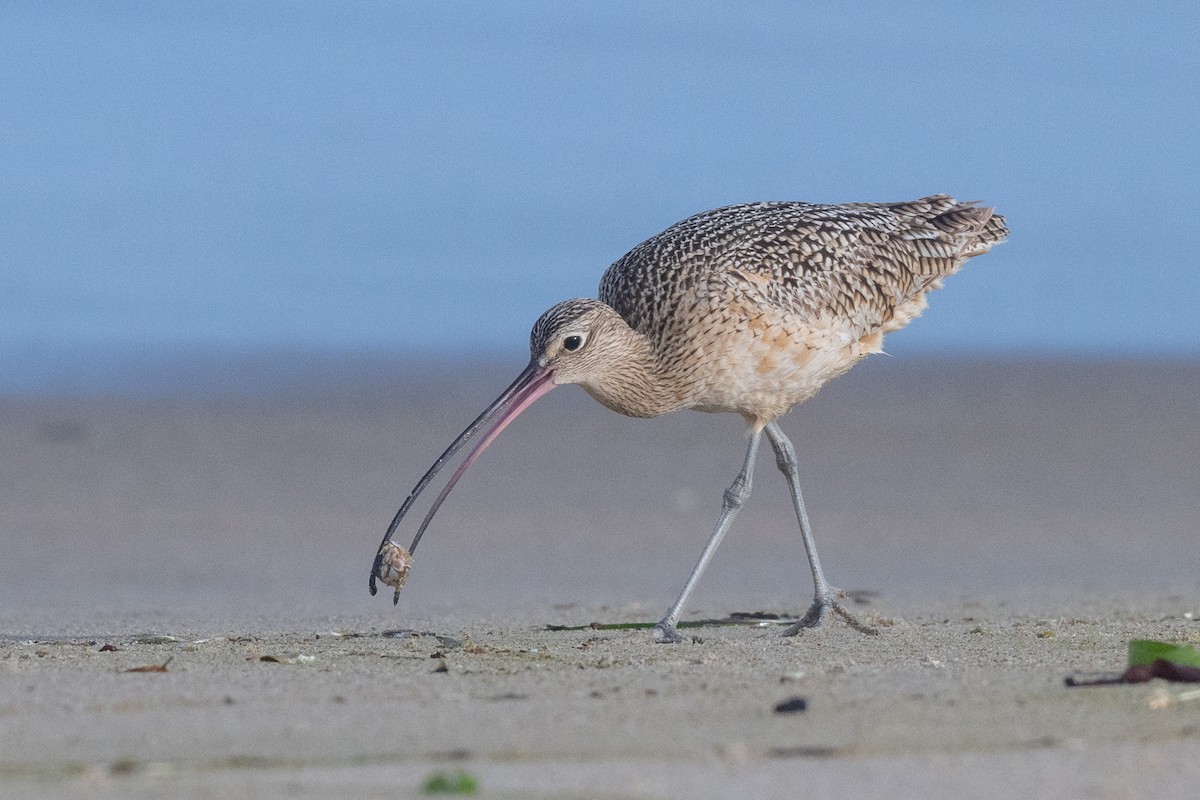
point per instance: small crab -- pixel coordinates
(394, 563)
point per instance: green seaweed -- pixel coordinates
(458, 781)
(1147, 651)
(738, 618)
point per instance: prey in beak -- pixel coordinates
(393, 562)
(577, 341)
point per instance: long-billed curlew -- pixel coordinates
(749, 308)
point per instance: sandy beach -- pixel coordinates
(1004, 523)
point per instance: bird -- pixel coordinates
(749, 309)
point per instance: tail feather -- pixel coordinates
(975, 229)
(949, 234)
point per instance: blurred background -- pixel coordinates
(203, 180)
(259, 262)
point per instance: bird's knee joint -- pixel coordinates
(736, 495)
(785, 458)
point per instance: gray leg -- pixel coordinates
(826, 597)
(735, 497)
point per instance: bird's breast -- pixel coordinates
(761, 368)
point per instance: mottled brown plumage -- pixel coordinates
(750, 309)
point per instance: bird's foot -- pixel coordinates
(819, 610)
(665, 633)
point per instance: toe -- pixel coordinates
(820, 609)
(665, 633)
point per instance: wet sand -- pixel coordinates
(1004, 523)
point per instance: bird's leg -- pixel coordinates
(735, 497)
(826, 597)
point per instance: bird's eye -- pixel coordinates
(572, 343)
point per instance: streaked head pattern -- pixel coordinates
(586, 342)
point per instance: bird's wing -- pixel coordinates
(870, 264)
(867, 263)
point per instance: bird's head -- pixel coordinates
(579, 341)
(586, 342)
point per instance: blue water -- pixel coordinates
(428, 176)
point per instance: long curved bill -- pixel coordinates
(392, 562)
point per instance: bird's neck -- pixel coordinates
(634, 385)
